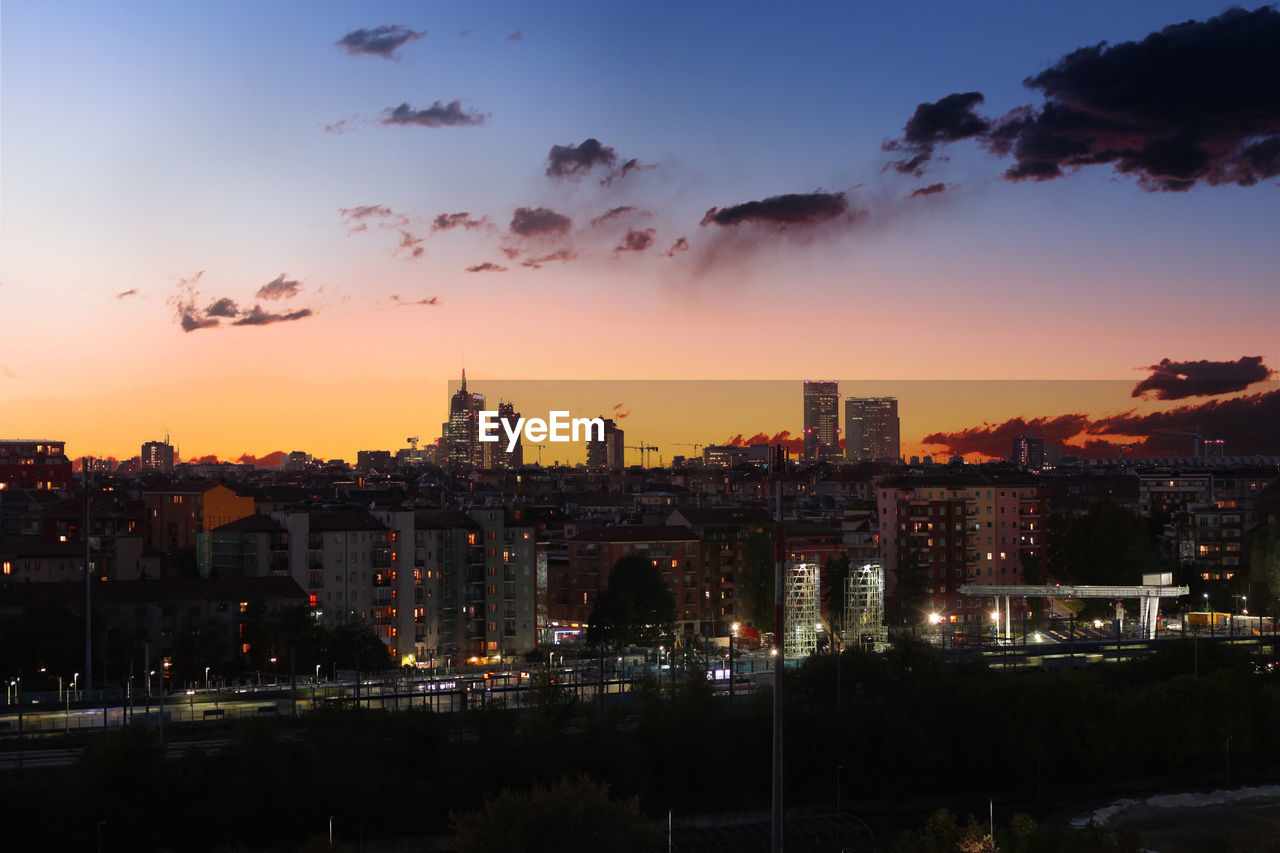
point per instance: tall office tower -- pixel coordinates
(462, 431)
(871, 429)
(606, 455)
(498, 455)
(821, 419)
(157, 456)
(1028, 452)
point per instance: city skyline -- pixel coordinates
(269, 206)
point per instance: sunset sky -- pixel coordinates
(273, 227)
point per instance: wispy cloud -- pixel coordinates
(618, 212)
(279, 288)
(411, 243)
(342, 125)
(487, 266)
(405, 303)
(261, 317)
(518, 35)
(125, 294)
(560, 255)
(449, 221)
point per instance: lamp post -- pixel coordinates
(1209, 614)
(733, 636)
(206, 678)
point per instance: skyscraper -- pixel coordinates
(157, 456)
(821, 419)
(606, 455)
(498, 455)
(1028, 452)
(871, 429)
(462, 431)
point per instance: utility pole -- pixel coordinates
(779, 663)
(88, 583)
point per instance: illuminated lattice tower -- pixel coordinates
(864, 607)
(800, 610)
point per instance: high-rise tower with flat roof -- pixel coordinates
(821, 419)
(872, 431)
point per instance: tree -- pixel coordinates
(757, 580)
(637, 608)
(1109, 544)
(1264, 560)
(568, 816)
(835, 576)
(911, 590)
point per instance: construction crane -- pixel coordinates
(694, 445)
(413, 441)
(1195, 434)
(1121, 448)
(645, 450)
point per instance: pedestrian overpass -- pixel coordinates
(1148, 593)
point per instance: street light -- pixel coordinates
(733, 636)
(206, 678)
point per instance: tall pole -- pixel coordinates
(88, 583)
(779, 663)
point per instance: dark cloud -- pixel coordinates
(487, 266)
(518, 35)
(341, 126)
(447, 221)
(511, 252)
(1245, 424)
(1178, 380)
(561, 255)
(932, 189)
(782, 211)
(784, 439)
(279, 288)
(614, 213)
(539, 222)
(635, 240)
(412, 243)
(947, 120)
(260, 317)
(1193, 103)
(680, 245)
(133, 291)
(381, 41)
(574, 161)
(997, 439)
(223, 307)
(437, 115)
(190, 317)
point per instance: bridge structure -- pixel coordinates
(1148, 594)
